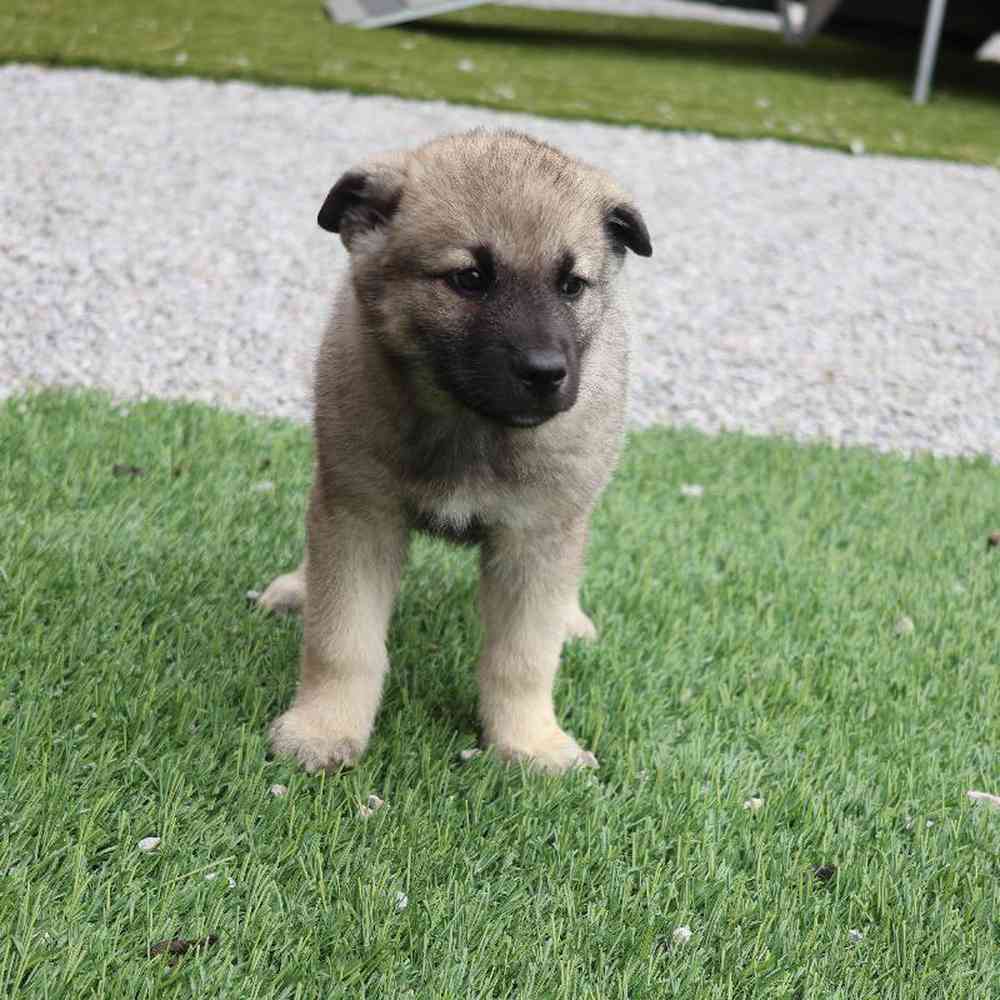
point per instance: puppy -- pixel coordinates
(471, 384)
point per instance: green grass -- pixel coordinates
(748, 649)
(655, 72)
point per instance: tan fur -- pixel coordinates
(395, 450)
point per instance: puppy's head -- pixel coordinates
(485, 264)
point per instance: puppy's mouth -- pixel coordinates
(527, 419)
(518, 413)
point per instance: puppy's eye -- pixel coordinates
(471, 282)
(571, 286)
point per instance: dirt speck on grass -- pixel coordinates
(175, 947)
(122, 470)
(824, 873)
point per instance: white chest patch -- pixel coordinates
(462, 506)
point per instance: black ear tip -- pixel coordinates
(326, 219)
(628, 228)
(345, 193)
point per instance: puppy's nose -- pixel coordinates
(542, 371)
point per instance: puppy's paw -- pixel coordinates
(555, 753)
(285, 594)
(581, 627)
(317, 746)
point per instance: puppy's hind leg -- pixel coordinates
(286, 593)
(580, 626)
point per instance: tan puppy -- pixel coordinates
(472, 384)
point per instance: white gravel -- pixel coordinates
(159, 237)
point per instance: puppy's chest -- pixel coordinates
(466, 512)
(463, 480)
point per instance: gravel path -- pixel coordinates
(158, 237)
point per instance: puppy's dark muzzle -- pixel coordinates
(542, 382)
(541, 372)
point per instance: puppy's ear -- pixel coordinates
(363, 199)
(627, 229)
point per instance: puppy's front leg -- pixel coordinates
(354, 561)
(528, 600)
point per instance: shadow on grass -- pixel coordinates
(824, 58)
(433, 639)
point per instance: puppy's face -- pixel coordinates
(485, 263)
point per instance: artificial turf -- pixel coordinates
(752, 647)
(654, 72)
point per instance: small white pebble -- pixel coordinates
(465, 66)
(211, 875)
(278, 790)
(682, 934)
(908, 823)
(754, 805)
(264, 486)
(180, 59)
(904, 626)
(857, 147)
(253, 595)
(993, 800)
(232, 883)
(692, 490)
(762, 103)
(402, 901)
(470, 754)
(149, 843)
(930, 823)
(855, 935)
(373, 806)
